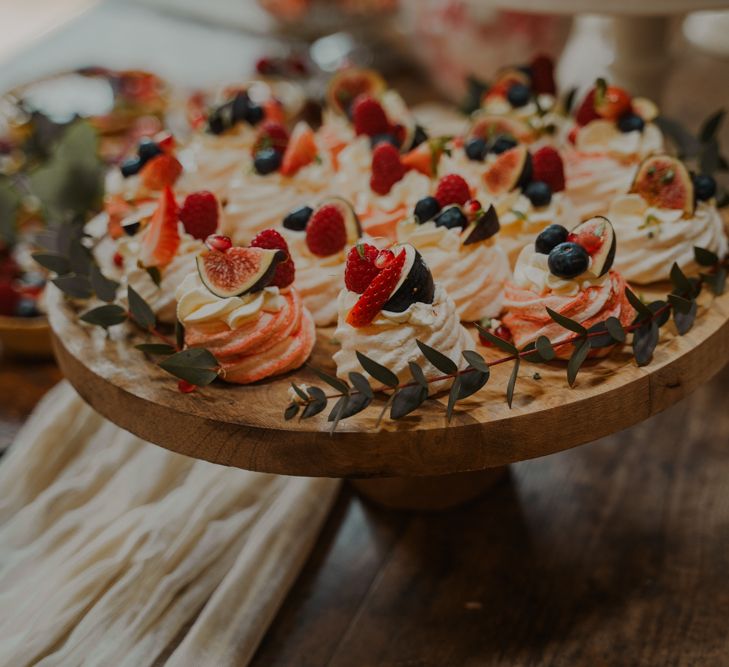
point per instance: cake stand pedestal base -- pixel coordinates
(429, 493)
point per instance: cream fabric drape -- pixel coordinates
(116, 552)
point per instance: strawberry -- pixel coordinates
(387, 168)
(325, 232)
(360, 269)
(377, 293)
(273, 110)
(161, 171)
(301, 150)
(611, 102)
(272, 240)
(542, 71)
(199, 214)
(368, 116)
(425, 157)
(452, 189)
(548, 167)
(162, 237)
(9, 297)
(166, 141)
(586, 111)
(272, 134)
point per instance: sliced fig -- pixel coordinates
(664, 182)
(351, 221)
(482, 228)
(238, 271)
(510, 170)
(348, 83)
(416, 282)
(489, 126)
(597, 237)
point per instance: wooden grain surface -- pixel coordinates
(244, 426)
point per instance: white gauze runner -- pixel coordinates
(113, 550)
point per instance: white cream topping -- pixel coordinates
(651, 239)
(529, 113)
(600, 136)
(196, 304)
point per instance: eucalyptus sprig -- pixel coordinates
(467, 378)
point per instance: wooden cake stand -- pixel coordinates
(419, 461)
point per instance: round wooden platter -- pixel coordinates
(243, 426)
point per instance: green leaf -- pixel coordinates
(377, 371)
(53, 262)
(566, 322)
(684, 321)
(475, 360)
(679, 279)
(79, 258)
(407, 400)
(179, 334)
(300, 392)
(418, 374)
(318, 403)
(155, 348)
(710, 127)
(576, 360)
(645, 340)
(545, 349)
(438, 359)
(361, 384)
(640, 307)
(105, 316)
(512, 382)
(154, 274)
(453, 397)
(660, 306)
(680, 305)
(77, 287)
(472, 382)
(334, 382)
(615, 328)
(195, 365)
(141, 312)
(337, 411)
(291, 411)
(529, 353)
(355, 403)
(599, 341)
(709, 158)
(502, 344)
(686, 143)
(705, 257)
(9, 204)
(716, 281)
(104, 288)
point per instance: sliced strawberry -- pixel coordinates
(612, 102)
(273, 110)
(301, 150)
(377, 293)
(161, 171)
(162, 236)
(271, 134)
(586, 111)
(425, 157)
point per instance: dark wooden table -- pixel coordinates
(610, 554)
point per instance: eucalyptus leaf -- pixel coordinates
(104, 288)
(705, 257)
(615, 328)
(361, 384)
(502, 344)
(679, 304)
(679, 279)
(407, 400)
(53, 262)
(291, 411)
(576, 360)
(686, 143)
(545, 349)
(642, 310)
(79, 258)
(179, 334)
(154, 274)
(453, 397)
(77, 287)
(195, 365)
(716, 281)
(9, 204)
(645, 340)
(472, 382)
(475, 360)
(566, 322)
(438, 359)
(337, 412)
(685, 320)
(318, 402)
(377, 371)
(334, 382)
(512, 382)
(300, 392)
(530, 353)
(141, 312)
(418, 374)
(105, 316)
(710, 127)
(709, 157)
(599, 336)
(659, 306)
(156, 348)
(355, 403)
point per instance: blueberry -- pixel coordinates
(550, 237)
(26, 307)
(630, 122)
(255, 114)
(704, 187)
(130, 167)
(267, 161)
(221, 119)
(298, 219)
(241, 106)
(452, 217)
(131, 227)
(518, 95)
(147, 149)
(426, 209)
(538, 193)
(419, 137)
(33, 279)
(568, 260)
(476, 149)
(384, 138)
(502, 143)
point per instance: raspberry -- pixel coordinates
(360, 269)
(118, 260)
(160, 171)
(452, 189)
(199, 214)
(387, 168)
(325, 232)
(377, 293)
(272, 134)
(185, 387)
(272, 240)
(369, 117)
(9, 297)
(547, 166)
(542, 69)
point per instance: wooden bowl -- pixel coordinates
(26, 337)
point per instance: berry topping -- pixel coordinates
(326, 233)
(185, 387)
(586, 111)
(547, 166)
(597, 237)
(473, 208)
(9, 298)
(271, 135)
(550, 237)
(301, 150)
(162, 237)
(238, 271)
(518, 95)
(502, 144)
(218, 242)
(130, 167)
(348, 83)
(256, 114)
(387, 168)
(425, 157)
(664, 182)
(384, 258)
(611, 102)
(270, 239)
(118, 260)
(368, 116)
(360, 269)
(631, 122)
(199, 214)
(538, 193)
(542, 71)
(26, 307)
(148, 148)
(384, 138)
(704, 186)
(160, 171)
(510, 170)
(451, 217)
(296, 220)
(426, 209)
(476, 149)
(377, 293)
(452, 189)
(267, 161)
(568, 260)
